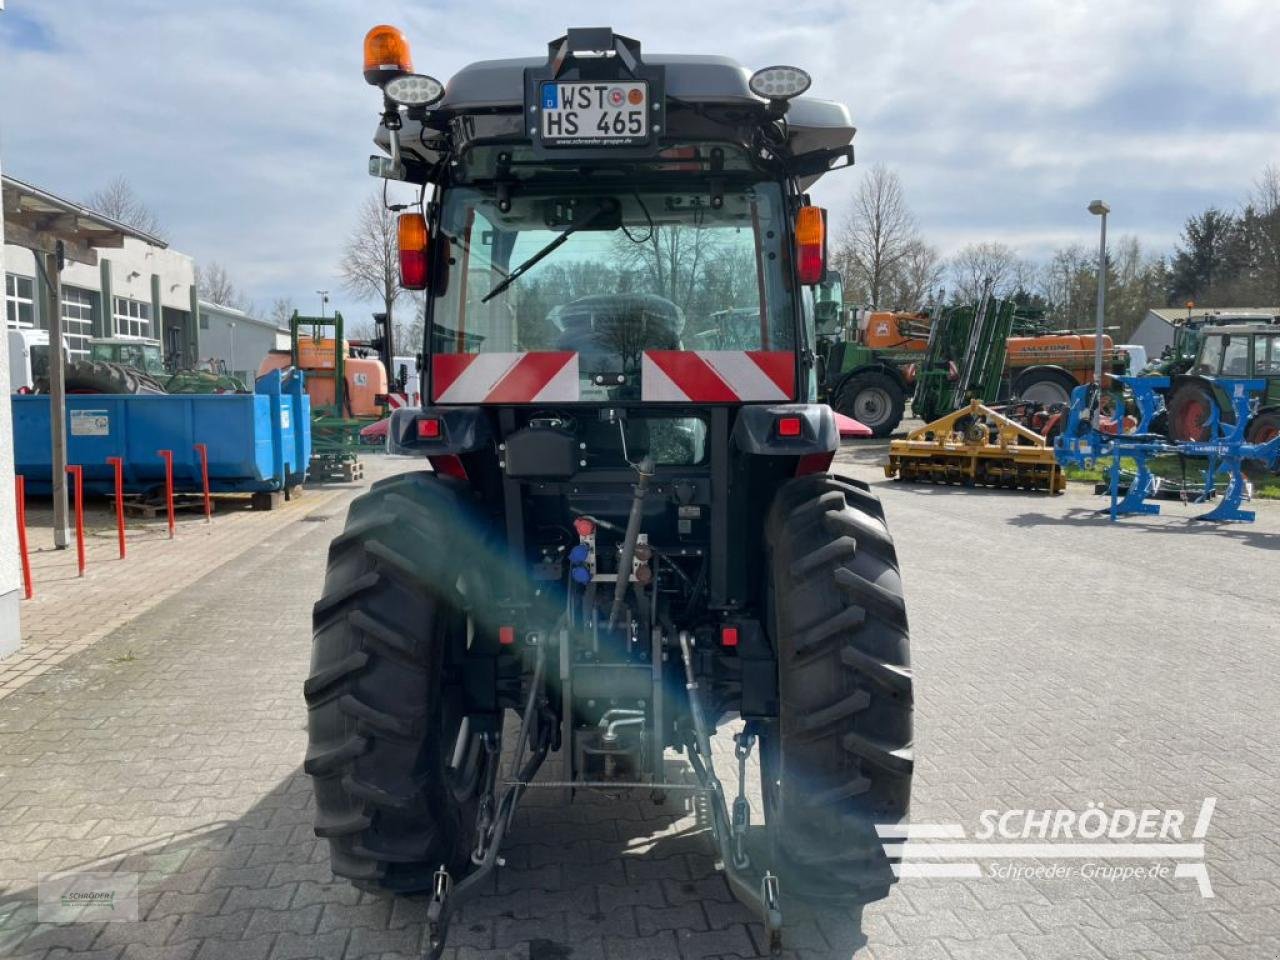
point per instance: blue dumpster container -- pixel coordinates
(256, 442)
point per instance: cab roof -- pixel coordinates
(496, 88)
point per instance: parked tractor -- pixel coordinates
(628, 536)
(1237, 351)
(867, 367)
(938, 360)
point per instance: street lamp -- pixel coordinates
(324, 301)
(1100, 209)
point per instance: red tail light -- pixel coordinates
(506, 636)
(789, 426)
(429, 428)
(728, 636)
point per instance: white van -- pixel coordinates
(29, 357)
(1137, 356)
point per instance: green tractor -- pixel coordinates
(1235, 351)
(866, 374)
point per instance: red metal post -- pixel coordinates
(118, 464)
(77, 477)
(204, 479)
(167, 457)
(21, 483)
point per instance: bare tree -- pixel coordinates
(916, 278)
(370, 261)
(877, 236)
(282, 309)
(1266, 191)
(119, 201)
(214, 284)
(974, 264)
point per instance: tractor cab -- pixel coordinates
(1233, 351)
(138, 353)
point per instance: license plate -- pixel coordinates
(595, 114)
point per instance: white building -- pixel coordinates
(10, 569)
(116, 280)
(233, 339)
(141, 289)
(1155, 331)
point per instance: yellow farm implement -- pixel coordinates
(976, 446)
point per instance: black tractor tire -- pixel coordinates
(839, 761)
(384, 696)
(1045, 386)
(1189, 408)
(874, 399)
(99, 376)
(1265, 426)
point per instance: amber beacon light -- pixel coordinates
(386, 54)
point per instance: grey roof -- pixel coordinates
(1172, 315)
(23, 196)
(39, 220)
(238, 315)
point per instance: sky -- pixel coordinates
(247, 125)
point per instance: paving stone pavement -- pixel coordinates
(69, 613)
(1060, 661)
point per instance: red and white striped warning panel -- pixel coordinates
(717, 376)
(546, 376)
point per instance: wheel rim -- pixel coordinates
(463, 755)
(1266, 432)
(1192, 419)
(871, 406)
(1046, 392)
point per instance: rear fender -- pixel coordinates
(756, 430)
(1042, 368)
(462, 430)
(888, 369)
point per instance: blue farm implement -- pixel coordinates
(256, 443)
(1224, 450)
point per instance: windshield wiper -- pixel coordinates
(519, 271)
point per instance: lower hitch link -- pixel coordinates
(730, 832)
(494, 816)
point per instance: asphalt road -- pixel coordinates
(1060, 660)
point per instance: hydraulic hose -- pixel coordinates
(645, 470)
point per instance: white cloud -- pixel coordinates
(247, 124)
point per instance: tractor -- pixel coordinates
(628, 533)
(1228, 351)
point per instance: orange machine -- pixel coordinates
(365, 378)
(896, 330)
(1071, 351)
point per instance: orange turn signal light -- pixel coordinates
(386, 54)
